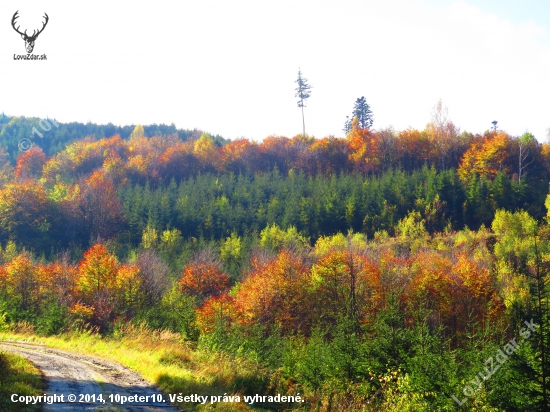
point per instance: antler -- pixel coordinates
(34, 33)
(43, 25)
(15, 16)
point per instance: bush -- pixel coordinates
(53, 320)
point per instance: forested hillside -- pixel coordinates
(377, 271)
(52, 137)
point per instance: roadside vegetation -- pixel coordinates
(18, 376)
(160, 356)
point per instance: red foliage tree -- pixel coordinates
(29, 164)
(203, 277)
(274, 294)
(239, 156)
(99, 207)
(178, 161)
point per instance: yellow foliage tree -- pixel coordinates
(206, 151)
(364, 148)
(138, 132)
(486, 157)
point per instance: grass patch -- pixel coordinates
(162, 358)
(19, 376)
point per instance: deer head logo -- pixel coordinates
(29, 40)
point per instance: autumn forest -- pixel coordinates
(377, 271)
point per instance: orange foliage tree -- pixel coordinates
(458, 293)
(29, 164)
(203, 277)
(364, 147)
(414, 149)
(58, 279)
(330, 154)
(485, 157)
(274, 294)
(239, 156)
(26, 213)
(217, 312)
(274, 151)
(22, 281)
(105, 286)
(99, 207)
(113, 167)
(97, 272)
(178, 161)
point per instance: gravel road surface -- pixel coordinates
(68, 373)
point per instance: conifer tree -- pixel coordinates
(303, 93)
(362, 111)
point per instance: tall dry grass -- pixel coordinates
(160, 356)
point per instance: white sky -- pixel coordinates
(228, 67)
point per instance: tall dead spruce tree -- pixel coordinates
(302, 93)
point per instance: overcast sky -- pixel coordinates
(228, 67)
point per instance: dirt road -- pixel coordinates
(69, 373)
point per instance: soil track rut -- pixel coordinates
(71, 373)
